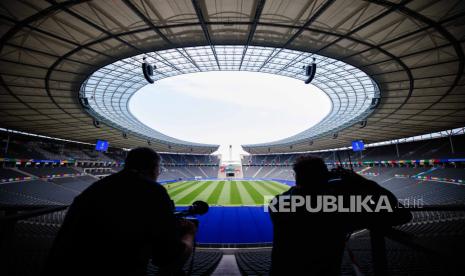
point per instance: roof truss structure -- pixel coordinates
(108, 90)
(413, 50)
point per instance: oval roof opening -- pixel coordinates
(230, 107)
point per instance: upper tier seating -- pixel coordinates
(428, 192)
(29, 192)
(438, 148)
(423, 192)
(188, 159)
(177, 172)
(23, 150)
(278, 172)
(7, 173)
(454, 173)
(77, 184)
(44, 171)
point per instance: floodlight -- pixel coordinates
(96, 123)
(310, 71)
(147, 69)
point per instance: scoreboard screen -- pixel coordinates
(358, 145)
(101, 145)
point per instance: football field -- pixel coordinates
(224, 192)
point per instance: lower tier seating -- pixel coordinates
(443, 239)
(32, 239)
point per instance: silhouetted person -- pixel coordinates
(120, 222)
(312, 243)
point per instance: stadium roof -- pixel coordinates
(109, 89)
(413, 50)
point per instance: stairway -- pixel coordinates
(227, 266)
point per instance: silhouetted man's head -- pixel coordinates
(310, 170)
(144, 161)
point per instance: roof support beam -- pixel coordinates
(27, 49)
(97, 27)
(59, 60)
(455, 43)
(258, 12)
(312, 19)
(54, 36)
(392, 8)
(206, 33)
(431, 25)
(38, 66)
(456, 16)
(147, 21)
(18, 26)
(364, 25)
(86, 21)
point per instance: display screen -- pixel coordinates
(358, 145)
(101, 145)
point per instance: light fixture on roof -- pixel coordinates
(149, 143)
(147, 69)
(375, 103)
(310, 71)
(363, 124)
(335, 135)
(96, 123)
(84, 102)
(125, 136)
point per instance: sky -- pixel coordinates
(229, 108)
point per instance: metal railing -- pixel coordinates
(378, 243)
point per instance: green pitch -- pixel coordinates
(224, 192)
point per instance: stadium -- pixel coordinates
(391, 71)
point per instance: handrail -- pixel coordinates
(378, 244)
